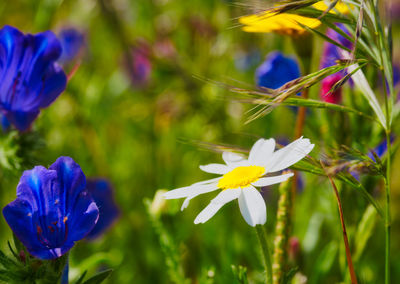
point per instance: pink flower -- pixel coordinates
(327, 84)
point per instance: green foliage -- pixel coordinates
(26, 270)
(240, 273)
(99, 277)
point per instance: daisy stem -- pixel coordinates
(262, 237)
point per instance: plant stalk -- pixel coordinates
(262, 237)
(387, 181)
(282, 232)
(387, 212)
(353, 276)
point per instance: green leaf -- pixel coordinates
(18, 245)
(364, 231)
(80, 280)
(314, 13)
(5, 261)
(99, 278)
(324, 262)
(321, 105)
(325, 37)
(362, 84)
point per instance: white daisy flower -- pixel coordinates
(240, 176)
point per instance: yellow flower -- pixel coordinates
(285, 23)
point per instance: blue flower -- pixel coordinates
(381, 149)
(30, 78)
(276, 71)
(53, 209)
(102, 193)
(5, 124)
(72, 42)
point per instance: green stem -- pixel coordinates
(387, 182)
(388, 109)
(387, 213)
(267, 257)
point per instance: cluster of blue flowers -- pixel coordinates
(55, 207)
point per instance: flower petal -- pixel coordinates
(272, 180)
(215, 169)
(71, 179)
(194, 189)
(204, 189)
(19, 216)
(261, 151)
(220, 200)
(22, 120)
(103, 195)
(289, 155)
(83, 219)
(234, 160)
(252, 206)
(30, 78)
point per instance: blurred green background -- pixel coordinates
(145, 137)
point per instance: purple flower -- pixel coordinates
(102, 193)
(331, 54)
(53, 209)
(30, 78)
(138, 65)
(277, 70)
(72, 42)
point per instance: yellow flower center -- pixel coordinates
(241, 177)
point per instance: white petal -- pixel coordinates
(289, 155)
(204, 189)
(271, 180)
(261, 151)
(252, 206)
(194, 189)
(234, 160)
(215, 169)
(220, 200)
